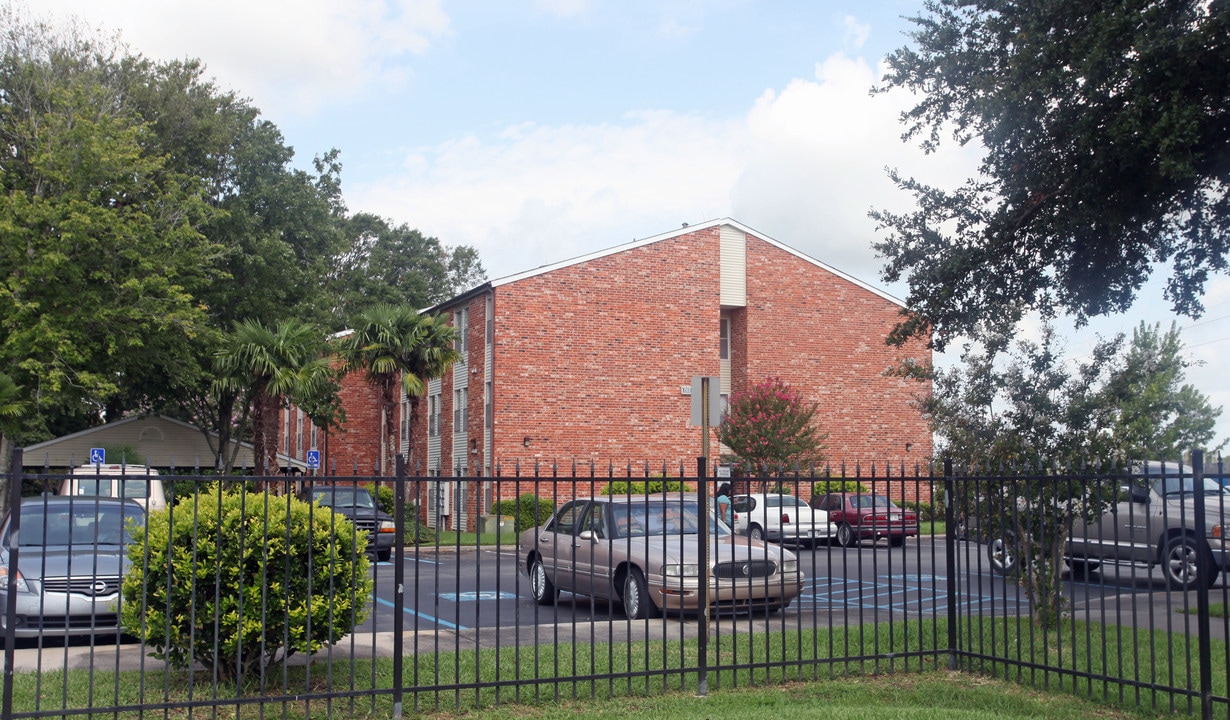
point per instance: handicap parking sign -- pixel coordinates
(313, 459)
(98, 456)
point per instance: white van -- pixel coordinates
(131, 482)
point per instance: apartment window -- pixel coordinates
(405, 418)
(286, 431)
(433, 415)
(299, 432)
(490, 319)
(461, 321)
(725, 339)
(460, 398)
(314, 437)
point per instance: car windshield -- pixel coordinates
(871, 501)
(343, 498)
(78, 524)
(1184, 486)
(129, 487)
(662, 518)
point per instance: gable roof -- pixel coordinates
(658, 238)
(162, 441)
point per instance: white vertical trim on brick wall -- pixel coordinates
(733, 267)
(434, 387)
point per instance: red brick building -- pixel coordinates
(588, 360)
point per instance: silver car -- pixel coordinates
(643, 551)
(70, 560)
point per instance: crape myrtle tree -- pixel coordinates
(771, 428)
(1020, 418)
(1106, 129)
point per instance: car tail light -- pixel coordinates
(785, 518)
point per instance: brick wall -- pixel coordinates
(589, 361)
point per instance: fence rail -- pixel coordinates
(253, 603)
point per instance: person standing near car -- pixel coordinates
(723, 505)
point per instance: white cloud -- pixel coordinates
(856, 32)
(819, 150)
(534, 195)
(290, 57)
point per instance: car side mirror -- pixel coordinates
(588, 535)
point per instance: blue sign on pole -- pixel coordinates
(98, 456)
(313, 459)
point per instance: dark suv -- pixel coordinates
(357, 505)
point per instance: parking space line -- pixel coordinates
(423, 616)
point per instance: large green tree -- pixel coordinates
(388, 264)
(397, 349)
(101, 254)
(1106, 129)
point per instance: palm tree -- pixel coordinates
(271, 364)
(393, 340)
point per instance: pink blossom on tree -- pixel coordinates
(772, 427)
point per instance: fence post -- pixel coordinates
(702, 641)
(10, 612)
(399, 576)
(950, 553)
(1202, 589)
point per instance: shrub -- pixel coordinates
(927, 511)
(647, 487)
(528, 511)
(837, 485)
(239, 582)
(414, 531)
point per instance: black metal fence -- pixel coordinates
(1105, 584)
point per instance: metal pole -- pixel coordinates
(702, 683)
(10, 612)
(950, 552)
(1204, 562)
(399, 576)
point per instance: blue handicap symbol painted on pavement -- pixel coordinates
(480, 595)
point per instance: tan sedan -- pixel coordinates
(643, 551)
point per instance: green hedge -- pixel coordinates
(646, 487)
(528, 511)
(837, 485)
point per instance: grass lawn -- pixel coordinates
(772, 675)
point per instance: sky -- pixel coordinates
(541, 130)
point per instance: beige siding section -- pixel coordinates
(733, 267)
(161, 442)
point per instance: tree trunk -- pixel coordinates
(6, 461)
(266, 423)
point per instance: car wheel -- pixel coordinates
(383, 555)
(896, 540)
(541, 587)
(1003, 555)
(637, 605)
(1186, 564)
(845, 535)
(755, 532)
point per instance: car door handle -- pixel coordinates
(544, 539)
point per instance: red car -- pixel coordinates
(862, 515)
